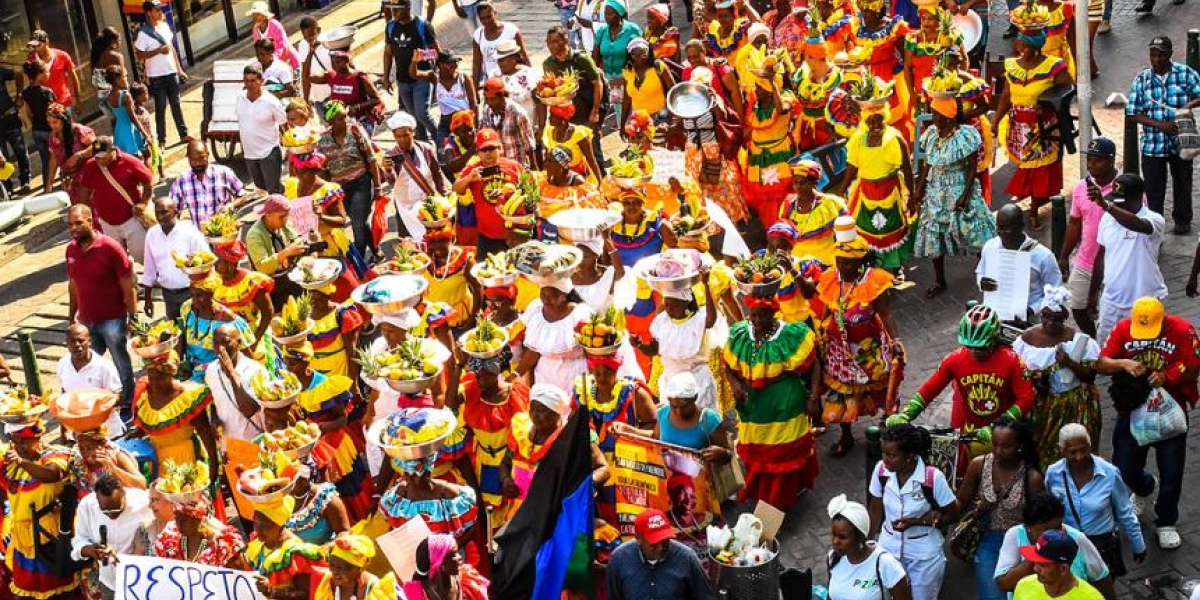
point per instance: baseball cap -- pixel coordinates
(1163, 43)
(1126, 186)
(1101, 146)
(487, 138)
(1146, 319)
(494, 87)
(652, 525)
(446, 58)
(150, 5)
(275, 204)
(1055, 546)
(102, 144)
(37, 38)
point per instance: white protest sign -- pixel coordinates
(400, 547)
(151, 578)
(668, 164)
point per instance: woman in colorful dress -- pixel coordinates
(1027, 130)
(717, 176)
(560, 132)
(782, 238)
(724, 81)
(816, 79)
(347, 557)
(660, 33)
(880, 39)
(953, 218)
(879, 175)
(1061, 363)
(773, 369)
(597, 274)
(34, 477)
(647, 81)
(173, 415)
(441, 573)
(611, 398)
(328, 199)
(202, 315)
(860, 350)
(639, 234)
(448, 277)
(834, 26)
(285, 563)
(551, 351)
(328, 401)
(445, 507)
(244, 291)
(1060, 32)
(530, 436)
(680, 338)
(195, 536)
(334, 333)
(811, 212)
(769, 112)
(976, 97)
(726, 33)
(319, 515)
(923, 47)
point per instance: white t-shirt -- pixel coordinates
(278, 72)
(160, 270)
(487, 48)
(159, 64)
(119, 532)
(909, 502)
(258, 124)
(100, 372)
(321, 64)
(1088, 564)
(849, 581)
(235, 424)
(1131, 260)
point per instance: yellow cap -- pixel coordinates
(1146, 319)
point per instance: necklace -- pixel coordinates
(183, 547)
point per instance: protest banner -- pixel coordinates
(151, 578)
(648, 473)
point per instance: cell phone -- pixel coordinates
(491, 171)
(318, 247)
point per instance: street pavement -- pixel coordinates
(32, 297)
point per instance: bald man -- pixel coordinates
(206, 189)
(83, 368)
(1043, 266)
(169, 237)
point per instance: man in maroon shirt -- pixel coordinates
(489, 180)
(117, 186)
(101, 290)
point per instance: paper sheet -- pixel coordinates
(1010, 269)
(668, 164)
(400, 547)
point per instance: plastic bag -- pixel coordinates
(1159, 418)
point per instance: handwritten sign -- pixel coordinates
(151, 578)
(668, 164)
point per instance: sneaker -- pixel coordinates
(1105, 26)
(1168, 538)
(1144, 8)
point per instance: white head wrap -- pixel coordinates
(852, 511)
(563, 285)
(405, 319)
(401, 119)
(549, 396)
(11, 428)
(681, 385)
(1056, 298)
(596, 246)
(685, 294)
(756, 30)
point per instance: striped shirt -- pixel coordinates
(203, 196)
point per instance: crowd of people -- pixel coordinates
(836, 143)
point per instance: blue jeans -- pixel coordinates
(1108, 4)
(12, 146)
(165, 91)
(1171, 455)
(414, 97)
(110, 336)
(566, 16)
(986, 558)
(41, 143)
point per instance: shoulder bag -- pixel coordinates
(965, 535)
(144, 215)
(727, 479)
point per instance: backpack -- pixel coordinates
(926, 484)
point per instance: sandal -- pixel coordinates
(1035, 221)
(841, 448)
(935, 290)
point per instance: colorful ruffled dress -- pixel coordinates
(489, 424)
(885, 51)
(237, 294)
(29, 577)
(1064, 398)
(375, 588)
(856, 352)
(309, 522)
(877, 198)
(815, 226)
(526, 454)
(220, 547)
(325, 198)
(1026, 130)
(926, 54)
(811, 122)
(941, 230)
(562, 357)
(294, 557)
(578, 138)
(684, 345)
(766, 177)
(169, 429)
(198, 335)
(456, 447)
(775, 439)
(337, 453)
(451, 516)
(723, 46)
(976, 92)
(633, 243)
(664, 45)
(448, 285)
(330, 355)
(1057, 31)
(620, 408)
(837, 31)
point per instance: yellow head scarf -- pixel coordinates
(278, 512)
(300, 351)
(357, 550)
(208, 282)
(856, 248)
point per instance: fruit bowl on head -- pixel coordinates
(579, 225)
(155, 350)
(503, 280)
(608, 350)
(549, 276)
(261, 496)
(296, 338)
(221, 240)
(631, 183)
(413, 386)
(565, 99)
(494, 352)
(763, 289)
(200, 269)
(24, 417)
(324, 270)
(432, 417)
(391, 294)
(181, 497)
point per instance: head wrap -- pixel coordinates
(401, 120)
(405, 319)
(440, 545)
(769, 302)
(334, 109)
(785, 230)
(855, 248)
(947, 107)
(460, 118)
(234, 252)
(803, 167)
(419, 466)
(301, 162)
(851, 511)
(208, 282)
(637, 42)
(681, 385)
(758, 29)
(679, 480)
(549, 396)
(563, 285)
(934, 8)
(440, 233)
(617, 5)
(814, 49)
(685, 294)
(1056, 298)
(27, 431)
(278, 512)
(612, 362)
(300, 351)
(354, 549)
(1037, 39)
(662, 12)
(501, 291)
(564, 112)
(195, 507)
(596, 246)
(497, 364)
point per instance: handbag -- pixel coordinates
(728, 479)
(144, 215)
(730, 135)
(1107, 544)
(966, 533)
(54, 550)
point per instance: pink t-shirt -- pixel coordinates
(1083, 208)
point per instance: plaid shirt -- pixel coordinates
(1147, 96)
(203, 196)
(516, 131)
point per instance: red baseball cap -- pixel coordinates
(652, 525)
(487, 138)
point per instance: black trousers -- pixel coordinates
(1154, 172)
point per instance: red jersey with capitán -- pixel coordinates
(486, 193)
(109, 204)
(983, 391)
(1174, 352)
(96, 272)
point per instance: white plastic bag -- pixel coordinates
(1159, 418)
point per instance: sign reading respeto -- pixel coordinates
(148, 578)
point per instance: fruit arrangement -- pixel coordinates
(602, 329)
(689, 225)
(758, 270)
(195, 263)
(183, 478)
(222, 227)
(494, 270)
(16, 403)
(557, 90)
(871, 91)
(1030, 16)
(408, 259)
(414, 426)
(522, 204)
(315, 273)
(632, 168)
(273, 391)
(151, 338)
(485, 340)
(944, 83)
(289, 440)
(536, 258)
(435, 210)
(408, 361)
(275, 474)
(294, 319)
